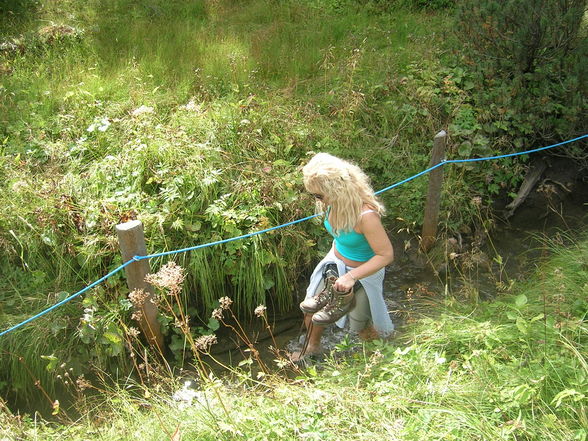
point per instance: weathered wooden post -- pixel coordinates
(132, 243)
(431, 219)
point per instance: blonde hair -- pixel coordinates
(346, 187)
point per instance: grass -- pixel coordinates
(254, 80)
(512, 369)
(195, 118)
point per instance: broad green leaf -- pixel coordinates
(537, 317)
(112, 337)
(52, 362)
(567, 393)
(521, 300)
(522, 325)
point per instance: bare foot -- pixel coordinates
(310, 350)
(369, 333)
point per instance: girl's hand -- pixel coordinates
(344, 283)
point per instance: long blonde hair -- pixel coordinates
(346, 187)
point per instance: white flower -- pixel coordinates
(105, 124)
(192, 106)
(141, 110)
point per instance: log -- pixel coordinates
(530, 180)
(431, 217)
(132, 243)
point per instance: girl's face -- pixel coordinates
(318, 196)
(316, 188)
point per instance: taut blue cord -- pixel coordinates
(218, 242)
(183, 250)
(73, 296)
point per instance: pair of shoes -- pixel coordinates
(319, 301)
(329, 305)
(339, 305)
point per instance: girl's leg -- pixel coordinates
(314, 339)
(360, 317)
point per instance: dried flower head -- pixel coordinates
(260, 311)
(203, 342)
(138, 297)
(477, 201)
(217, 314)
(225, 302)
(137, 315)
(182, 323)
(170, 277)
(82, 383)
(133, 332)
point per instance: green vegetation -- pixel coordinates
(513, 369)
(529, 68)
(195, 117)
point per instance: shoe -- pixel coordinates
(319, 301)
(339, 305)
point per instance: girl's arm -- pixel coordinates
(371, 227)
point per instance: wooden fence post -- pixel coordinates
(132, 243)
(431, 218)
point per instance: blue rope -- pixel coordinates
(183, 250)
(64, 301)
(487, 158)
(218, 242)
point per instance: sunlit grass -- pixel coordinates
(193, 117)
(497, 372)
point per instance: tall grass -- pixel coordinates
(194, 118)
(515, 368)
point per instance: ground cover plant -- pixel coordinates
(195, 117)
(511, 369)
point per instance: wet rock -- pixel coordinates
(332, 336)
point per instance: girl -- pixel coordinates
(349, 280)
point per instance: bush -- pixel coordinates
(386, 5)
(526, 59)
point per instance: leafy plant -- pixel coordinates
(525, 57)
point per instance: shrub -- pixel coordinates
(526, 58)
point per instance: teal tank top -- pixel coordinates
(351, 244)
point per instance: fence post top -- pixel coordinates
(129, 225)
(441, 134)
